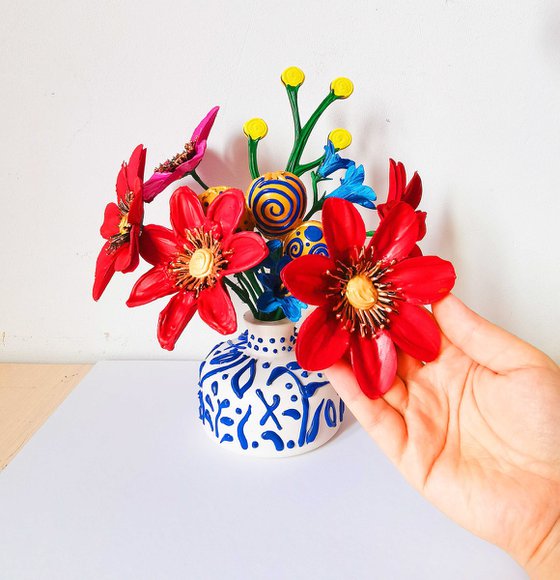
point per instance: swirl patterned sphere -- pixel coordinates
(306, 239)
(277, 201)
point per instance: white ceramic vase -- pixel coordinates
(255, 399)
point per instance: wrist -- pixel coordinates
(544, 564)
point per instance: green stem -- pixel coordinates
(277, 314)
(242, 294)
(301, 169)
(196, 177)
(317, 203)
(253, 163)
(300, 143)
(246, 284)
(292, 97)
(317, 206)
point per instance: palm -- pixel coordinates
(483, 446)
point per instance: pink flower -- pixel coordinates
(182, 163)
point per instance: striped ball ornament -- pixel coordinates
(277, 201)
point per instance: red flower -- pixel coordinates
(182, 163)
(122, 224)
(191, 261)
(410, 193)
(368, 297)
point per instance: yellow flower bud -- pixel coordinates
(293, 76)
(342, 87)
(255, 128)
(340, 138)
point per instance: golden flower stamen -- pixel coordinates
(170, 165)
(362, 301)
(199, 265)
(117, 240)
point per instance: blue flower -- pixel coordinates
(352, 188)
(275, 294)
(333, 161)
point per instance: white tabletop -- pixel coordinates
(122, 482)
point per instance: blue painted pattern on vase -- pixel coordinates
(255, 398)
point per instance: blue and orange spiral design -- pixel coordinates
(306, 239)
(277, 201)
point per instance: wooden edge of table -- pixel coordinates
(29, 394)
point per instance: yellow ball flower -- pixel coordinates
(293, 76)
(341, 138)
(255, 129)
(342, 87)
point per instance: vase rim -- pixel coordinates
(250, 319)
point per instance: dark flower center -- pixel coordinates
(361, 300)
(199, 265)
(170, 165)
(123, 237)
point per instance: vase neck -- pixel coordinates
(270, 339)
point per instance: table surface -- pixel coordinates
(122, 482)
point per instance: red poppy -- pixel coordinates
(368, 297)
(191, 260)
(410, 193)
(122, 224)
(184, 162)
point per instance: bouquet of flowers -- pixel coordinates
(280, 249)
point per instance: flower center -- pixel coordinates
(117, 240)
(124, 226)
(361, 292)
(360, 297)
(170, 165)
(199, 264)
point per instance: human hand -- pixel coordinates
(477, 432)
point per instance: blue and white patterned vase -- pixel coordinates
(255, 399)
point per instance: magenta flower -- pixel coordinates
(182, 163)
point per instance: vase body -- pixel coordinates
(255, 399)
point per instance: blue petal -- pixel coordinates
(292, 307)
(267, 302)
(333, 162)
(352, 189)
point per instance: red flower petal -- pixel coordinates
(227, 210)
(174, 318)
(421, 219)
(127, 256)
(305, 278)
(396, 235)
(248, 249)
(397, 181)
(414, 330)
(111, 221)
(374, 361)
(136, 165)
(122, 183)
(343, 227)
(104, 270)
(216, 309)
(157, 244)
(136, 211)
(321, 340)
(422, 280)
(154, 284)
(415, 252)
(186, 211)
(413, 192)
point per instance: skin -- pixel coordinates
(477, 432)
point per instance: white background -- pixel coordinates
(467, 93)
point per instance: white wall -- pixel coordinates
(467, 93)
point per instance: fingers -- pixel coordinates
(486, 343)
(384, 424)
